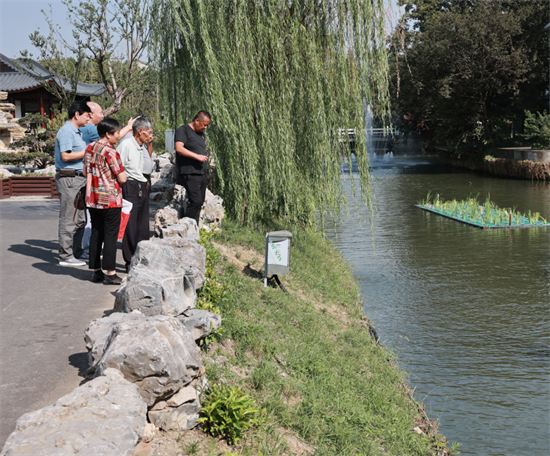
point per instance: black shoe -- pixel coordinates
(112, 280)
(98, 276)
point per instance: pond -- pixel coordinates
(466, 310)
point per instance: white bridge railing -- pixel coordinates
(351, 132)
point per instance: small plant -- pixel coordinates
(537, 129)
(214, 288)
(192, 449)
(229, 413)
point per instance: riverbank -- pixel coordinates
(505, 167)
(307, 357)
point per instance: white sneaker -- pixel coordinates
(72, 262)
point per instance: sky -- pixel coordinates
(20, 18)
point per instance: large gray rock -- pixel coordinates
(191, 255)
(97, 334)
(185, 228)
(200, 323)
(213, 208)
(153, 292)
(103, 417)
(157, 353)
(159, 282)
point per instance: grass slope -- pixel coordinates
(307, 357)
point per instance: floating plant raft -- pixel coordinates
(486, 216)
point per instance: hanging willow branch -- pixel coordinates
(280, 78)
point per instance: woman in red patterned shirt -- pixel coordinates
(104, 172)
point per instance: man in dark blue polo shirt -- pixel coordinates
(192, 162)
(69, 151)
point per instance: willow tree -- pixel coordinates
(280, 78)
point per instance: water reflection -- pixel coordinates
(466, 309)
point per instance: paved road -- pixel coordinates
(44, 309)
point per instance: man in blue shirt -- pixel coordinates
(69, 152)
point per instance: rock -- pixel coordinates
(161, 279)
(180, 418)
(213, 208)
(200, 323)
(48, 170)
(4, 173)
(163, 185)
(159, 406)
(105, 416)
(165, 217)
(179, 200)
(143, 449)
(97, 334)
(187, 394)
(157, 292)
(166, 171)
(186, 228)
(156, 196)
(162, 161)
(156, 353)
(149, 433)
(191, 255)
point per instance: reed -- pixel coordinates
(486, 214)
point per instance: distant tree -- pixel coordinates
(110, 36)
(463, 70)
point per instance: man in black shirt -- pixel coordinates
(192, 162)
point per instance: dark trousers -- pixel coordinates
(195, 186)
(105, 226)
(138, 224)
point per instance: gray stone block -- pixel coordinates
(188, 254)
(156, 353)
(103, 417)
(154, 292)
(179, 418)
(200, 323)
(97, 333)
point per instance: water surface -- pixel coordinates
(465, 309)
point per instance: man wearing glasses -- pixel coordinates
(135, 190)
(192, 162)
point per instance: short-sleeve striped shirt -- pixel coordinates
(102, 164)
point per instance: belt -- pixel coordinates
(76, 173)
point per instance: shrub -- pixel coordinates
(537, 129)
(39, 144)
(229, 413)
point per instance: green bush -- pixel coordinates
(537, 129)
(229, 413)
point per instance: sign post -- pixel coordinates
(277, 253)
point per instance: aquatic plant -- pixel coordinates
(487, 214)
